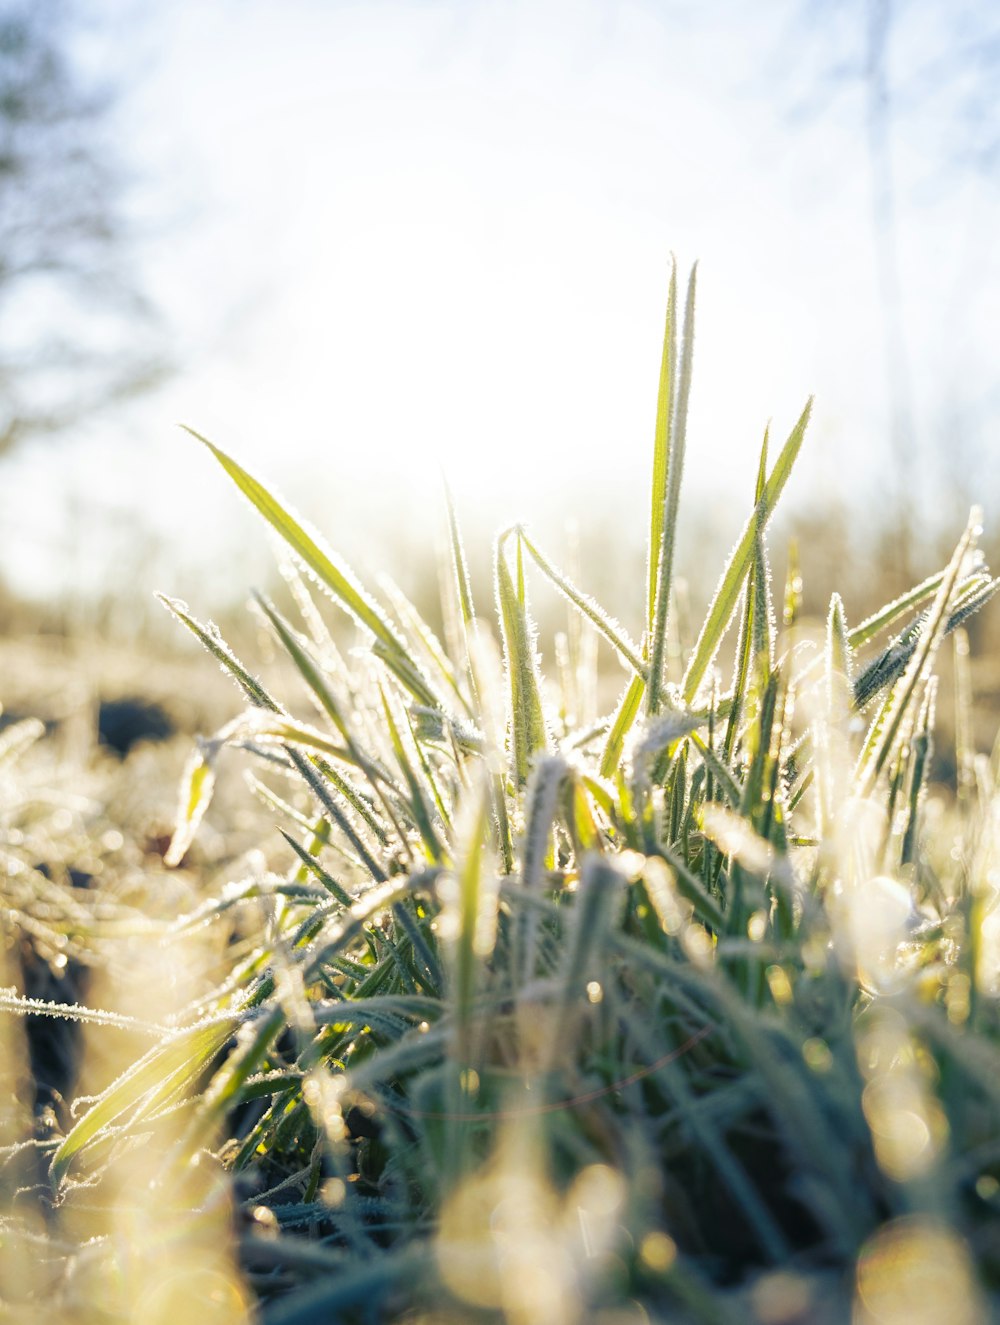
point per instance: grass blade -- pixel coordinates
(665, 529)
(311, 551)
(588, 608)
(661, 446)
(527, 723)
(738, 567)
(895, 710)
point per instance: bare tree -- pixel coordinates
(943, 92)
(75, 329)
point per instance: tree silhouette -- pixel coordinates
(75, 329)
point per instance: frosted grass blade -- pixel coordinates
(838, 652)
(667, 531)
(217, 646)
(417, 803)
(311, 551)
(477, 915)
(599, 900)
(661, 446)
(588, 608)
(728, 593)
(417, 630)
(463, 584)
(628, 709)
(923, 744)
(884, 670)
(197, 786)
(541, 805)
(306, 664)
(313, 866)
(160, 1072)
(747, 639)
(527, 724)
(891, 720)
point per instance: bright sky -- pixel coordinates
(392, 237)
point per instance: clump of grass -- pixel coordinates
(681, 1007)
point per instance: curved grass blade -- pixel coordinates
(197, 786)
(885, 669)
(318, 559)
(588, 608)
(161, 1072)
(890, 720)
(908, 602)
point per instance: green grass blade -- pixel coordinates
(588, 608)
(923, 745)
(661, 446)
(314, 678)
(746, 637)
(463, 584)
(667, 533)
(884, 670)
(476, 927)
(888, 615)
(527, 723)
(933, 632)
(339, 936)
(313, 866)
(690, 887)
(306, 665)
(197, 786)
(217, 646)
(628, 710)
(599, 901)
(418, 803)
(728, 593)
(158, 1074)
(416, 630)
(839, 658)
(311, 551)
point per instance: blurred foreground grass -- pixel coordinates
(556, 1000)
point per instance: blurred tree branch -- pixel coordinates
(923, 78)
(899, 378)
(76, 332)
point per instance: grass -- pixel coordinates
(687, 1011)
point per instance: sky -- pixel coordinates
(391, 240)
